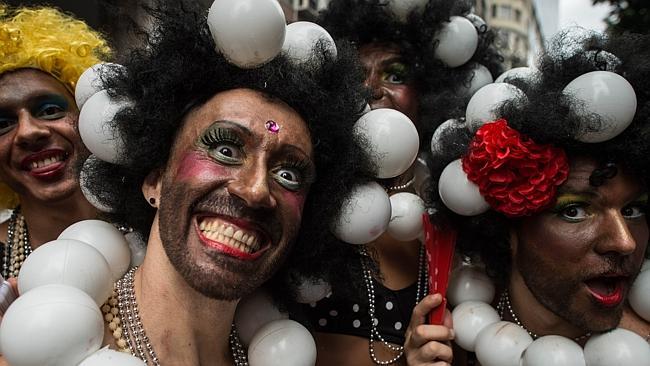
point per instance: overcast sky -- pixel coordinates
(582, 13)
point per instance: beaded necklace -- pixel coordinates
(123, 318)
(504, 303)
(375, 336)
(17, 247)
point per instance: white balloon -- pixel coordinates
(483, 104)
(501, 344)
(281, 343)
(553, 350)
(312, 290)
(480, 78)
(402, 8)
(458, 193)
(477, 21)
(646, 265)
(364, 215)
(620, 347)
(639, 296)
(96, 133)
(393, 140)
(90, 82)
(469, 283)
(84, 184)
(253, 312)
(406, 216)
(248, 33)
(302, 37)
(109, 357)
(524, 72)
(607, 95)
(137, 246)
(437, 141)
(52, 325)
(67, 262)
(457, 42)
(106, 239)
(470, 318)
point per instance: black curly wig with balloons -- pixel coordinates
(440, 88)
(177, 70)
(548, 115)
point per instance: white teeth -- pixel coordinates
(45, 162)
(229, 231)
(238, 235)
(228, 235)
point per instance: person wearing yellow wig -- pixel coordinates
(42, 54)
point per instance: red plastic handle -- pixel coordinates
(439, 244)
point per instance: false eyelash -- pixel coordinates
(303, 166)
(220, 135)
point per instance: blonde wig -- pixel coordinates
(51, 41)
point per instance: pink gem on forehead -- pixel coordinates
(272, 126)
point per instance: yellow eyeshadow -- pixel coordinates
(567, 198)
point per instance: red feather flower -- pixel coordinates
(515, 175)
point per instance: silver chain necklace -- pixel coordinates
(504, 303)
(375, 336)
(136, 337)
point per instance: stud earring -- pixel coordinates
(152, 202)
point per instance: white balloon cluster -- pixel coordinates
(271, 337)
(97, 108)
(393, 143)
(56, 320)
(479, 329)
(250, 33)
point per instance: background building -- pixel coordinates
(518, 27)
(302, 9)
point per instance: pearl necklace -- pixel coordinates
(504, 302)
(375, 336)
(123, 317)
(17, 247)
(401, 186)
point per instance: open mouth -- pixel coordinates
(607, 290)
(231, 239)
(45, 164)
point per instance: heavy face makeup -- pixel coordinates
(389, 79)
(580, 258)
(39, 141)
(232, 194)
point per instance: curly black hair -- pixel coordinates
(547, 115)
(370, 21)
(177, 70)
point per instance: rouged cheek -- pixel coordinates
(294, 202)
(196, 167)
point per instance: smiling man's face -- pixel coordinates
(232, 194)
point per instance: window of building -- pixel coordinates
(518, 15)
(505, 12)
(494, 11)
